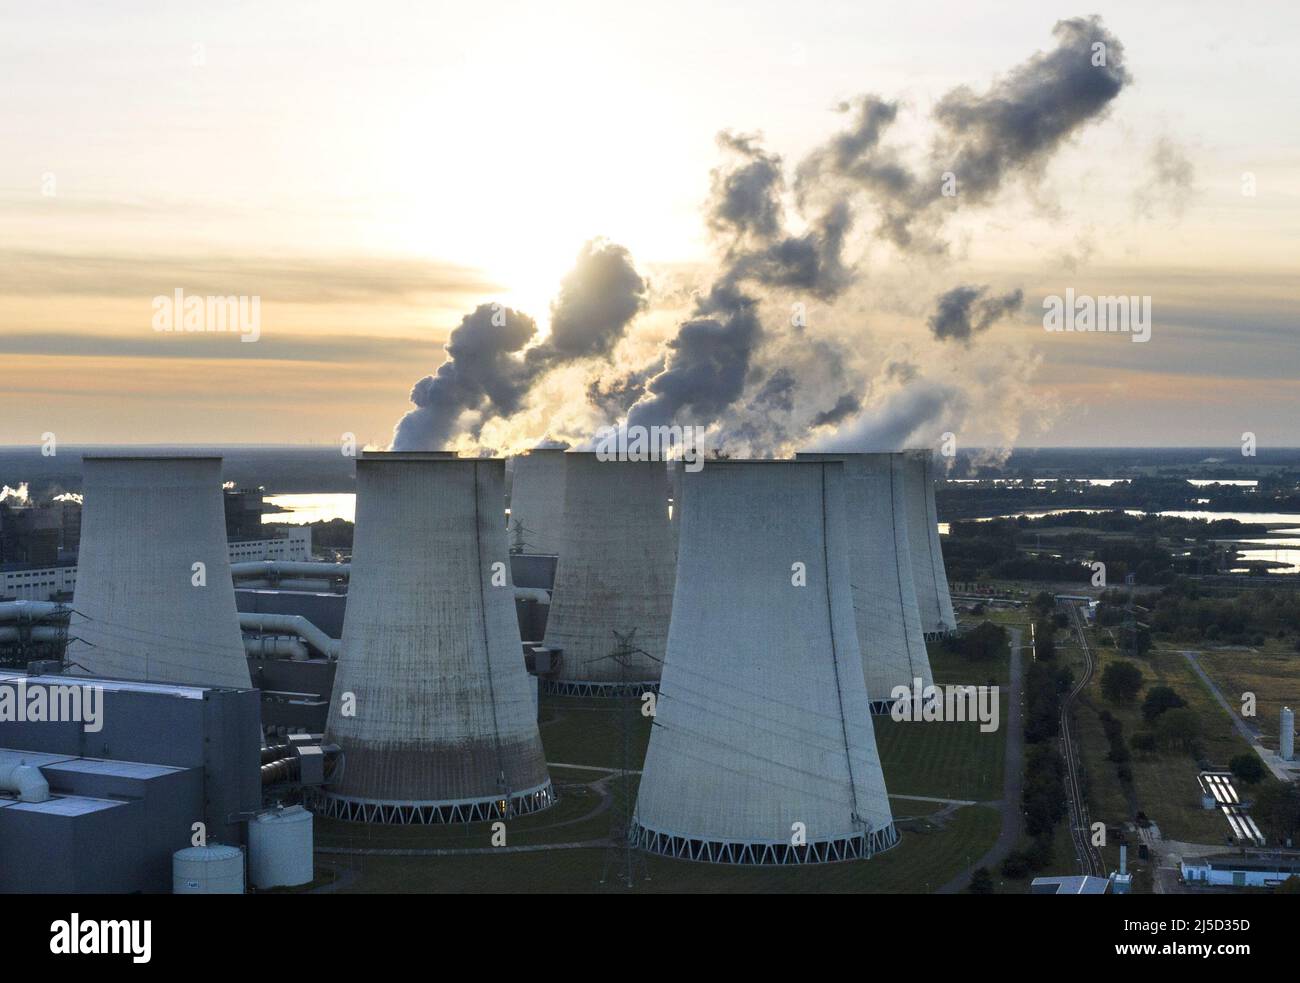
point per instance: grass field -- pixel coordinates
(934, 759)
(1164, 781)
(921, 862)
(1272, 674)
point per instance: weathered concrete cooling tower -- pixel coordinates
(614, 577)
(537, 501)
(880, 564)
(762, 750)
(431, 704)
(145, 611)
(932, 596)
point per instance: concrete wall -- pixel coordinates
(145, 523)
(431, 649)
(762, 718)
(616, 569)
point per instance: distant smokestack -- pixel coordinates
(537, 501)
(614, 576)
(884, 590)
(154, 593)
(763, 750)
(431, 704)
(932, 596)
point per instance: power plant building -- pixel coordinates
(154, 598)
(431, 703)
(932, 596)
(890, 635)
(763, 750)
(614, 580)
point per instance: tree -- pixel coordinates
(1248, 768)
(1120, 682)
(1143, 741)
(1179, 729)
(1159, 699)
(981, 881)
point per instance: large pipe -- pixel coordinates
(280, 568)
(40, 633)
(290, 624)
(31, 610)
(25, 780)
(264, 646)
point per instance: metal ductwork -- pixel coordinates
(21, 778)
(287, 624)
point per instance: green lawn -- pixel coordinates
(919, 864)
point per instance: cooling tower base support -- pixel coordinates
(569, 687)
(934, 636)
(432, 813)
(858, 847)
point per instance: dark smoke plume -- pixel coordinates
(490, 369)
(965, 311)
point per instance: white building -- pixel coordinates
(1250, 869)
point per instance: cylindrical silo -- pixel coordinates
(614, 578)
(215, 869)
(537, 501)
(1286, 735)
(154, 598)
(431, 705)
(932, 596)
(280, 848)
(880, 563)
(762, 750)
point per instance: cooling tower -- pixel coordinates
(537, 501)
(880, 566)
(762, 750)
(431, 704)
(614, 577)
(932, 597)
(144, 611)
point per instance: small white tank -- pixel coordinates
(280, 848)
(1286, 736)
(215, 869)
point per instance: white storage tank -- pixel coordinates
(1286, 735)
(280, 848)
(215, 869)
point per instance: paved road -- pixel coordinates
(1013, 819)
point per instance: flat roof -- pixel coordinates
(69, 805)
(1074, 884)
(112, 685)
(120, 769)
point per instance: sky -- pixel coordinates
(373, 173)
